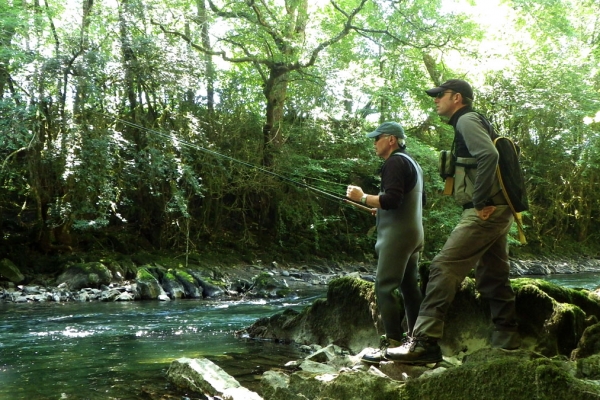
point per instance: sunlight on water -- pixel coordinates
(72, 332)
(123, 350)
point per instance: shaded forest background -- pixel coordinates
(107, 106)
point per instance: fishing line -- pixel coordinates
(176, 140)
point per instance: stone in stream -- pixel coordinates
(203, 376)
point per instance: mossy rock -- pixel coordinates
(354, 385)
(582, 298)
(10, 271)
(503, 379)
(589, 344)
(125, 268)
(265, 281)
(147, 286)
(210, 287)
(265, 285)
(85, 275)
(279, 327)
(144, 274)
(190, 285)
(589, 367)
(347, 318)
(172, 286)
(553, 327)
(468, 326)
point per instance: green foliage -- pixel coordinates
(104, 120)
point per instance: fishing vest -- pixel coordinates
(465, 174)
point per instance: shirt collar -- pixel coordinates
(459, 113)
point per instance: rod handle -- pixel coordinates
(359, 206)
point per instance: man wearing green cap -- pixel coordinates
(399, 207)
(479, 241)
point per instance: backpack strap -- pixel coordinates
(517, 215)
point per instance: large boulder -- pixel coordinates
(551, 319)
(148, 287)
(85, 275)
(201, 375)
(347, 385)
(172, 285)
(503, 376)
(347, 318)
(208, 289)
(10, 271)
(190, 287)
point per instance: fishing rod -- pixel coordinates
(318, 191)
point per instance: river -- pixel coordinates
(123, 350)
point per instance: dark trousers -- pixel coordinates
(398, 276)
(482, 245)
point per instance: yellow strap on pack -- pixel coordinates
(449, 186)
(517, 215)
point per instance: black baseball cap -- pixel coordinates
(388, 128)
(456, 85)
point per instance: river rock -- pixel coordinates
(172, 286)
(347, 317)
(200, 375)
(191, 289)
(346, 385)
(148, 287)
(85, 275)
(209, 290)
(10, 271)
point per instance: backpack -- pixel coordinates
(510, 175)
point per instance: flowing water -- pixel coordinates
(583, 280)
(123, 350)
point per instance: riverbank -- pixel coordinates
(162, 277)
(129, 337)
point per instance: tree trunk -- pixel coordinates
(275, 92)
(208, 58)
(7, 31)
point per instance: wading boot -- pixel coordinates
(417, 350)
(375, 356)
(506, 340)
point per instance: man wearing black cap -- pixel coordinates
(400, 237)
(478, 241)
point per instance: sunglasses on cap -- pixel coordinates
(380, 136)
(442, 94)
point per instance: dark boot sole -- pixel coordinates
(372, 362)
(418, 362)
